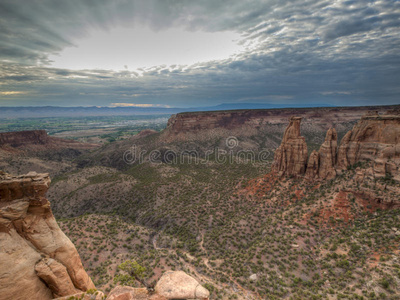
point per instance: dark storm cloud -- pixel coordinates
(337, 52)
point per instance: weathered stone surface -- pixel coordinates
(55, 276)
(327, 155)
(321, 164)
(253, 277)
(18, 279)
(375, 138)
(128, 293)
(179, 285)
(95, 295)
(313, 166)
(342, 161)
(291, 157)
(29, 233)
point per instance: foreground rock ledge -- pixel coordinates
(179, 285)
(37, 260)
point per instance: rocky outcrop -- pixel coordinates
(291, 156)
(375, 138)
(312, 171)
(56, 277)
(321, 164)
(20, 138)
(327, 155)
(179, 285)
(37, 140)
(90, 295)
(171, 285)
(37, 260)
(128, 293)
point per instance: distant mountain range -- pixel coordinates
(56, 111)
(230, 106)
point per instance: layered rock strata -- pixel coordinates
(37, 140)
(375, 139)
(291, 156)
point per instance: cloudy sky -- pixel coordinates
(184, 53)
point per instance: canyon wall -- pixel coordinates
(205, 125)
(37, 140)
(375, 138)
(37, 260)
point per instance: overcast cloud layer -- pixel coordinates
(332, 52)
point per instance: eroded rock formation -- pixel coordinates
(321, 164)
(37, 260)
(312, 171)
(327, 155)
(291, 156)
(375, 139)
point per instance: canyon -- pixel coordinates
(38, 261)
(317, 219)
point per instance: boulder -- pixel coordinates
(253, 277)
(179, 285)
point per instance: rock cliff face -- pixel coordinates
(327, 155)
(205, 125)
(37, 260)
(37, 140)
(375, 138)
(20, 138)
(291, 157)
(312, 171)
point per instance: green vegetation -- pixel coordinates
(199, 219)
(133, 272)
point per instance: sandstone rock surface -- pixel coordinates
(56, 277)
(375, 138)
(321, 164)
(312, 171)
(128, 293)
(291, 156)
(91, 295)
(179, 285)
(37, 260)
(327, 155)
